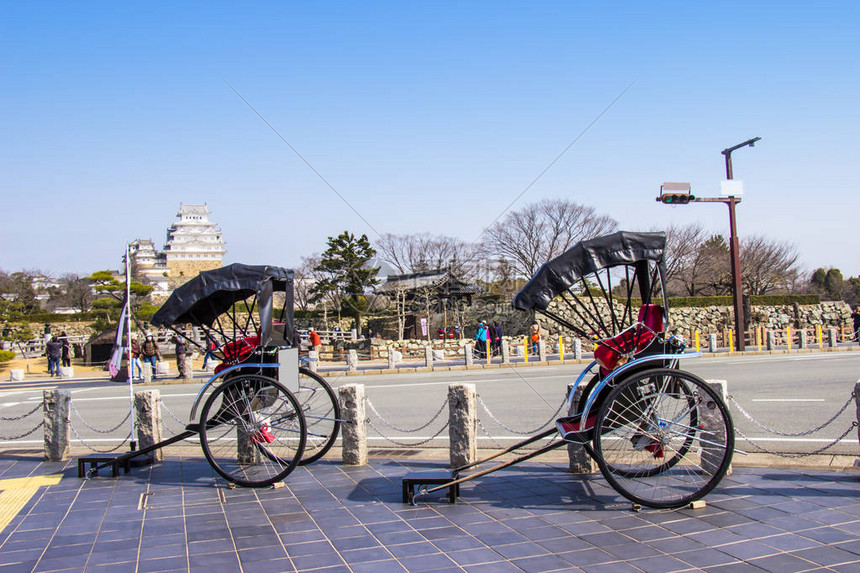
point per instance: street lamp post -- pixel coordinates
(737, 290)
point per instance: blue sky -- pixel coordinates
(425, 116)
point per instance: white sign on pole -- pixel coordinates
(423, 327)
(731, 188)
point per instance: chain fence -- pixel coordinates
(388, 424)
(173, 416)
(758, 446)
(22, 417)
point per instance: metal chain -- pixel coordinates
(749, 417)
(802, 455)
(24, 435)
(403, 444)
(21, 417)
(169, 413)
(404, 430)
(527, 432)
(86, 445)
(487, 433)
(96, 430)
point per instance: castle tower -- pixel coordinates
(193, 244)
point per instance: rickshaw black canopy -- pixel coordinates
(204, 298)
(559, 274)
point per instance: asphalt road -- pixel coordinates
(789, 393)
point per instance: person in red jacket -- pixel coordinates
(314, 338)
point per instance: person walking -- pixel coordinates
(54, 351)
(315, 340)
(211, 346)
(181, 352)
(497, 338)
(66, 359)
(481, 340)
(149, 351)
(534, 337)
(135, 358)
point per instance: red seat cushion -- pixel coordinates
(610, 352)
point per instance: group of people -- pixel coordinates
(58, 350)
(486, 333)
(146, 351)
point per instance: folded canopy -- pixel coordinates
(212, 293)
(559, 274)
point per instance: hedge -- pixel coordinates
(755, 300)
(6, 355)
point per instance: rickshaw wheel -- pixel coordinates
(321, 410)
(252, 430)
(663, 438)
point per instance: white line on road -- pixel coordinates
(788, 400)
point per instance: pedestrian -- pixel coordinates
(54, 351)
(315, 340)
(855, 318)
(211, 346)
(66, 359)
(181, 352)
(135, 358)
(481, 340)
(497, 338)
(534, 337)
(149, 351)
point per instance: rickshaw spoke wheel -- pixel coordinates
(252, 430)
(321, 409)
(663, 438)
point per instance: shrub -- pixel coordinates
(6, 356)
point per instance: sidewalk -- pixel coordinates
(175, 516)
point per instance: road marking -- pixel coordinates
(446, 383)
(16, 492)
(788, 399)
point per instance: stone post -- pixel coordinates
(147, 412)
(428, 356)
(710, 421)
(392, 358)
(542, 350)
(16, 375)
(469, 354)
(352, 361)
(712, 343)
(831, 337)
(506, 352)
(804, 342)
(313, 361)
(55, 408)
(579, 460)
(462, 424)
(770, 337)
(353, 431)
(189, 367)
(147, 372)
(246, 450)
(577, 349)
(67, 372)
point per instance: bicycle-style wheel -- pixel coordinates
(252, 430)
(663, 438)
(321, 412)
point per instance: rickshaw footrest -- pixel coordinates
(411, 480)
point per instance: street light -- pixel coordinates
(737, 290)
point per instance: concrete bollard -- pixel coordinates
(55, 408)
(162, 368)
(506, 352)
(16, 375)
(542, 350)
(147, 412)
(392, 358)
(770, 339)
(804, 340)
(428, 357)
(462, 424)
(352, 361)
(247, 451)
(438, 355)
(469, 354)
(831, 337)
(147, 372)
(353, 430)
(709, 422)
(857, 400)
(189, 368)
(67, 372)
(577, 349)
(712, 343)
(579, 462)
(313, 361)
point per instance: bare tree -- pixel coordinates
(681, 256)
(77, 292)
(767, 265)
(426, 252)
(538, 232)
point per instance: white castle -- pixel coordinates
(194, 244)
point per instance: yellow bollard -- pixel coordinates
(758, 335)
(561, 348)
(788, 336)
(489, 351)
(731, 342)
(697, 341)
(526, 349)
(818, 333)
